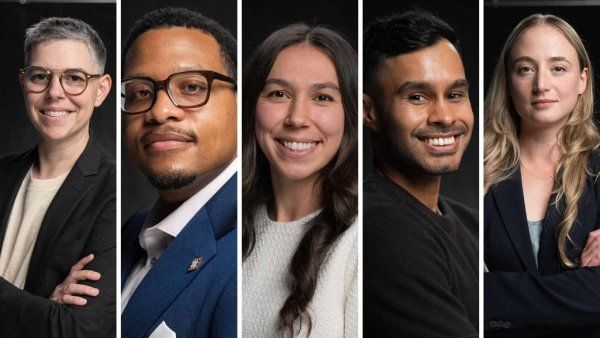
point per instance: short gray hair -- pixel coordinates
(51, 29)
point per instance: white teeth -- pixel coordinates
(55, 113)
(299, 146)
(440, 141)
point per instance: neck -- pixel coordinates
(58, 157)
(539, 146)
(169, 200)
(425, 188)
(293, 199)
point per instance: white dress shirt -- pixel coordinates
(155, 238)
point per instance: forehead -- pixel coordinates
(304, 64)
(542, 42)
(158, 53)
(439, 64)
(62, 54)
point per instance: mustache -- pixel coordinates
(170, 130)
(440, 130)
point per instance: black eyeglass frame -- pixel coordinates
(164, 84)
(51, 72)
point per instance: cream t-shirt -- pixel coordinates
(28, 211)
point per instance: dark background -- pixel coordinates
(136, 192)
(462, 15)
(500, 19)
(261, 18)
(16, 132)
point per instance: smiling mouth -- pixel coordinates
(298, 146)
(439, 141)
(55, 113)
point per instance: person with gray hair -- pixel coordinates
(57, 205)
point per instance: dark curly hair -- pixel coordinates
(182, 17)
(339, 199)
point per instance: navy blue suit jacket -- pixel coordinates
(200, 303)
(525, 300)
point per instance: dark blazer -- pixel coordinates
(525, 300)
(198, 303)
(80, 220)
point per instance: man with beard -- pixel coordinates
(179, 106)
(420, 249)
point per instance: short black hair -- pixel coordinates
(398, 34)
(182, 17)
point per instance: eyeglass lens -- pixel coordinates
(185, 90)
(73, 81)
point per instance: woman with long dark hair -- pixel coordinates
(300, 186)
(542, 202)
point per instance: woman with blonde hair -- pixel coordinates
(542, 201)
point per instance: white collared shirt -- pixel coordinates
(155, 238)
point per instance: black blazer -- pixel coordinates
(80, 220)
(525, 300)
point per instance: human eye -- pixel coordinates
(456, 96)
(193, 87)
(277, 94)
(75, 78)
(323, 98)
(38, 77)
(559, 69)
(522, 70)
(417, 98)
(138, 92)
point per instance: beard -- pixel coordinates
(171, 180)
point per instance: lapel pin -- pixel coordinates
(195, 264)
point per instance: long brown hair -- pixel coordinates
(576, 139)
(338, 178)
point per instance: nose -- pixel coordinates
(163, 109)
(298, 113)
(441, 114)
(540, 83)
(55, 89)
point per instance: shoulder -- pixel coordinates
(463, 212)
(9, 160)
(594, 162)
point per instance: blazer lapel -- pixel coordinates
(171, 274)
(76, 185)
(131, 251)
(510, 202)
(11, 182)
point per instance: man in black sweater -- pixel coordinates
(420, 249)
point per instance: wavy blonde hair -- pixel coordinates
(576, 139)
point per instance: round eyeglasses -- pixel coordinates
(190, 89)
(73, 81)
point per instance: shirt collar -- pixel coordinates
(179, 218)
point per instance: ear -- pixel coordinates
(104, 85)
(583, 81)
(22, 81)
(369, 113)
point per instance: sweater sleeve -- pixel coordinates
(408, 283)
(351, 308)
(515, 300)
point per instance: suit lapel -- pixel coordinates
(170, 276)
(78, 182)
(11, 182)
(508, 197)
(131, 251)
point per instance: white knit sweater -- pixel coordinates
(266, 281)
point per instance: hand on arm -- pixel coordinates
(67, 292)
(591, 252)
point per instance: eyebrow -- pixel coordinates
(418, 85)
(315, 86)
(174, 70)
(530, 59)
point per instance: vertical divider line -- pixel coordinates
(360, 168)
(239, 176)
(117, 86)
(480, 183)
